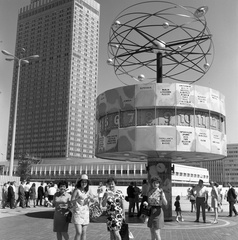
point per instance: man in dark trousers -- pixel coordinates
(40, 194)
(231, 198)
(11, 195)
(21, 195)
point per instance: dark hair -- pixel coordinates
(61, 183)
(78, 184)
(178, 198)
(33, 185)
(216, 184)
(109, 180)
(155, 179)
(144, 181)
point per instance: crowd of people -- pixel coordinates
(199, 199)
(78, 199)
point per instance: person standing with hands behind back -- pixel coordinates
(231, 198)
(114, 200)
(201, 199)
(156, 198)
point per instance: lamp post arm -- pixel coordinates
(15, 119)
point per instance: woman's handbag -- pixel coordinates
(145, 211)
(68, 216)
(95, 210)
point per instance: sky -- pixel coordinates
(222, 19)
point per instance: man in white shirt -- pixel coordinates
(201, 194)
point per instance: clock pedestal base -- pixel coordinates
(161, 168)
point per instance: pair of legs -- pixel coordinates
(232, 208)
(131, 206)
(179, 214)
(155, 234)
(39, 199)
(216, 214)
(115, 235)
(200, 203)
(193, 205)
(80, 233)
(61, 235)
(136, 205)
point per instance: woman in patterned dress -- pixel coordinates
(156, 198)
(60, 202)
(80, 200)
(114, 200)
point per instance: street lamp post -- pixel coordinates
(19, 62)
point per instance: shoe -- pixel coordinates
(236, 215)
(182, 220)
(196, 221)
(215, 222)
(204, 221)
(177, 220)
(229, 216)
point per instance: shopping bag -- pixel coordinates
(95, 210)
(131, 235)
(124, 232)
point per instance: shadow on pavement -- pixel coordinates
(44, 214)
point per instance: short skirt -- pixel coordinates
(156, 219)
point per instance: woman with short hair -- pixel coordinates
(114, 200)
(61, 201)
(156, 198)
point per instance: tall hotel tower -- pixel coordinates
(57, 92)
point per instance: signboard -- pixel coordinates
(184, 95)
(185, 139)
(202, 97)
(203, 143)
(145, 95)
(166, 138)
(165, 94)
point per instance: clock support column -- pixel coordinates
(159, 67)
(162, 167)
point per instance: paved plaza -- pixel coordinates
(36, 223)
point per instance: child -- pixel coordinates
(178, 209)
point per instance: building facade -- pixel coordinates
(230, 168)
(99, 170)
(57, 92)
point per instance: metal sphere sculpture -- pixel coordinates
(156, 40)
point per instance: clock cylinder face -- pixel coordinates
(158, 32)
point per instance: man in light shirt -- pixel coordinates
(201, 194)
